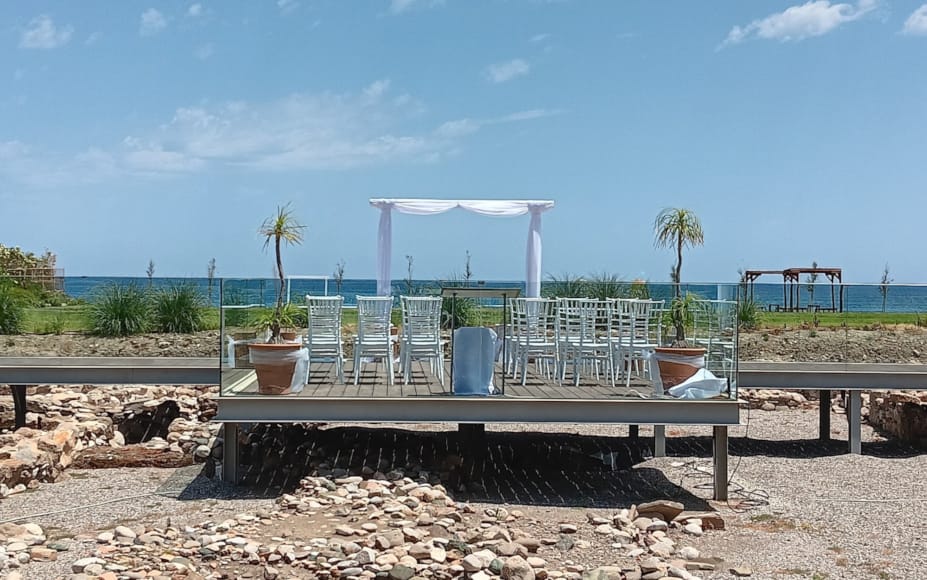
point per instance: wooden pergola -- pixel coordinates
(791, 284)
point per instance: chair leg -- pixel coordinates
(389, 368)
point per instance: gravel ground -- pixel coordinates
(86, 502)
(799, 508)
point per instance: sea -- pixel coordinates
(257, 291)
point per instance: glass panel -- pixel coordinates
(85, 316)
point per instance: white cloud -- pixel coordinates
(152, 22)
(464, 127)
(195, 10)
(204, 51)
(43, 33)
(539, 37)
(92, 38)
(400, 6)
(814, 18)
(287, 6)
(309, 131)
(916, 24)
(501, 72)
(377, 89)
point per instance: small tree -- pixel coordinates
(410, 285)
(338, 275)
(210, 277)
(678, 228)
(280, 228)
(811, 280)
(150, 272)
(468, 273)
(883, 286)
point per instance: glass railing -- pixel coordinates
(112, 317)
(610, 358)
(849, 323)
(220, 319)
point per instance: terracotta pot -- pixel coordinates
(673, 373)
(274, 377)
(288, 335)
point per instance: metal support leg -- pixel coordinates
(230, 452)
(659, 440)
(19, 405)
(854, 420)
(824, 415)
(720, 460)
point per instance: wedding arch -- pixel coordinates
(487, 207)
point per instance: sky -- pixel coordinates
(167, 131)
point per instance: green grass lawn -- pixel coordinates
(857, 320)
(57, 319)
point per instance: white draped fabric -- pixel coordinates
(488, 207)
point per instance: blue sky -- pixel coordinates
(132, 131)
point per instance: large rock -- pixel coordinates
(517, 568)
(663, 509)
(605, 573)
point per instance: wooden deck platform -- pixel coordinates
(373, 384)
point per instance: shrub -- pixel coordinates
(11, 311)
(53, 326)
(748, 313)
(464, 313)
(565, 286)
(178, 308)
(120, 311)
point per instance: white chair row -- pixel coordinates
(611, 337)
(420, 339)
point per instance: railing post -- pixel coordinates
(19, 405)
(230, 452)
(659, 440)
(719, 452)
(824, 415)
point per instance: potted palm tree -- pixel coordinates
(275, 361)
(678, 228)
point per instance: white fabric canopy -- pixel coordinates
(489, 207)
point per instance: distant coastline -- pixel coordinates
(857, 298)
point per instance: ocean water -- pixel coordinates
(857, 297)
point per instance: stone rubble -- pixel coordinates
(384, 526)
(62, 421)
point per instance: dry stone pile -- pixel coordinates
(389, 527)
(62, 422)
(902, 414)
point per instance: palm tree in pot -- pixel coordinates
(275, 361)
(678, 228)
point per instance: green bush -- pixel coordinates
(11, 310)
(178, 308)
(53, 326)
(119, 310)
(748, 313)
(465, 313)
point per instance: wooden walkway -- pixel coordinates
(372, 384)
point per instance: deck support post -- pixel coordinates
(659, 440)
(230, 452)
(824, 414)
(19, 405)
(854, 421)
(719, 452)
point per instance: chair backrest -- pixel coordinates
(581, 319)
(373, 318)
(533, 319)
(421, 318)
(324, 319)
